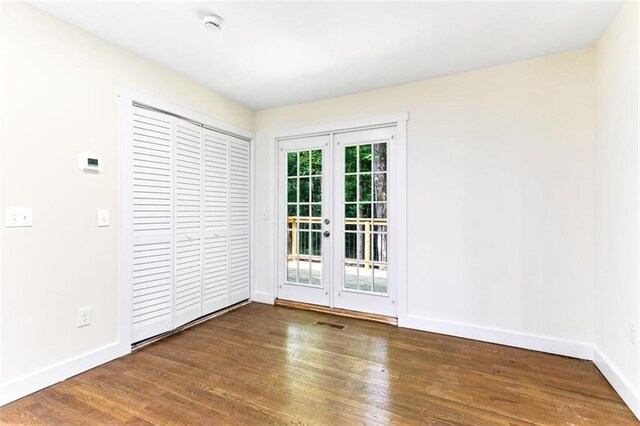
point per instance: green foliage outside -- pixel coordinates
(365, 191)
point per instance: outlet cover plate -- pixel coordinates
(84, 316)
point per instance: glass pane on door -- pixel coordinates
(304, 217)
(365, 218)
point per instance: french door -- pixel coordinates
(305, 224)
(333, 220)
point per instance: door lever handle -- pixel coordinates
(326, 233)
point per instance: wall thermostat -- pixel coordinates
(90, 163)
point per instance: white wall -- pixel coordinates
(500, 194)
(501, 183)
(617, 198)
(58, 98)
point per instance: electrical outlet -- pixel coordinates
(84, 316)
(633, 333)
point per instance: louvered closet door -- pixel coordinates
(152, 275)
(238, 220)
(216, 228)
(188, 222)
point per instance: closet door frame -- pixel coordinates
(125, 101)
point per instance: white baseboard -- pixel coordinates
(26, 385)
(504, 337)
(617, 381)
(261, 297)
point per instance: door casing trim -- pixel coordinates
(398, 246)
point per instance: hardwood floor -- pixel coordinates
(265, 364)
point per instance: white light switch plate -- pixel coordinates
(103, 217)
(18, 217)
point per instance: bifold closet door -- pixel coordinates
(190, 198)
(238, 219)
(188, 222)
(216, 222)
(152, 202)
(226, 219)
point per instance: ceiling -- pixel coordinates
(278, 53)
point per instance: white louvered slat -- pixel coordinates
(215, 194)
(238, 267)
(238, 220)
(239, 183)
(152, 298)
(215, 276)
(188, 222)
(215, 181)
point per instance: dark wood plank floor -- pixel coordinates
(263, 364)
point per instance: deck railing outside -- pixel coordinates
(367, 230)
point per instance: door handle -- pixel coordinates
(326, 233)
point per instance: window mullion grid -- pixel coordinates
(370, 219)
(359, 241)
(299, 239)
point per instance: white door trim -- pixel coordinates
(126, 98)
(400, 188)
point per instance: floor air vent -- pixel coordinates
(330, 325)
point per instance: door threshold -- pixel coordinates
(337, 311)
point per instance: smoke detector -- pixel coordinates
(213, 22)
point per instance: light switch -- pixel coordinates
(103, 217)
(18, 217)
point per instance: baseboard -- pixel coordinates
(504, 337)
(261, 297)
(617, 381)
(31, 383)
